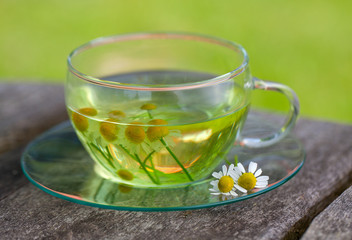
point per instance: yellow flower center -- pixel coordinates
(80, 121)
(226, 184)
(125, 174)
(117, 114)
(247, 181)
(88, 111)
(155, 133)
(109, 130)
(134, 133)
(124, 188)
(148, 106)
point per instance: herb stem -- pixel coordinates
(176, 159)
(103, 154)
(135, 157)
(149, 114)
(149, 155)
(236, 160)
(152, 164)
(140, 162)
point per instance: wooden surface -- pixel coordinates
(335, 222)
(315, 204)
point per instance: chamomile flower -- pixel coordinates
(80, 120)
(246, 181)
(116, 114)
(109, 129)
(125, 174)
(133, 137)
(225, 183)
(159, 133)
(148, 106)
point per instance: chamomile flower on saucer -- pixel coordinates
(246, 181)
(225, 184)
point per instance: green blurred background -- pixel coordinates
(304, 44)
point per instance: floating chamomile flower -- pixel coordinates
(80, 120)
(148, 106)
(246, 181)
(225, 183)
(133, 138)
(116, 114)
(125, 174)
(124, 188)
(109, 130)
(159, 132)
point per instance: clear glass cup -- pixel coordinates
(163, 109)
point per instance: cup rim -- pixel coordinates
(166, 35)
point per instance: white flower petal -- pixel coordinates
(231, 168)
(216, 175)
(241, 168)
(224, 170)
(237, 171)
(234, 175)
(252, 167)
(262, 182)
(240, 188)
(262, 186)
(263, 178)
(214, 183)
(221, 175)
(229, 173)
(212, 190)
(233, 193)
(217, 193)
(258, 172)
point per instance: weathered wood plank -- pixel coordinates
(26, 110)
(11, 176)
(335, 222)
(282, 213)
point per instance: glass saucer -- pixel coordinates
(57, 163)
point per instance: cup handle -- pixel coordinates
(290, 120)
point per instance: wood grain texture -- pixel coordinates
(26, 110)
(284, 213)
(335, 222)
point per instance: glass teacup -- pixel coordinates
(162, 109)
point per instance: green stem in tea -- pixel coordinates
(149, 114)
(103, 154)
(136, 158)
(152, 164)
(149, 155)
(154, 170)
(176, 159)
(129, 154)
(147, 172)
(111, 157)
